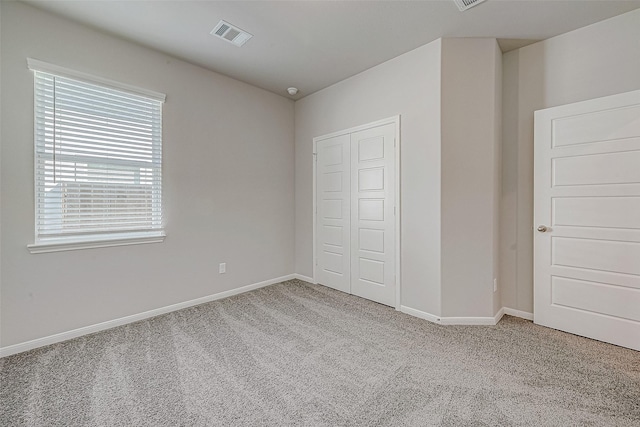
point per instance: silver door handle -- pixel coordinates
(542, 228)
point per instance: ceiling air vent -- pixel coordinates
(233, 34)
(467, 4)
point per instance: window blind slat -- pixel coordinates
(96, 231)
(108, 97)
(100, 152)
(67, 102)
(48, 114)
(97, 90)
(87, 160)
(79, 222)
(72, 124)
(75, 97)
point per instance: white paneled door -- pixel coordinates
(372, 214)
(587, 219)
(355, 243)
(333, 204)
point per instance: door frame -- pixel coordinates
(390, 120)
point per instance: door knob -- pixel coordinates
(542, 228)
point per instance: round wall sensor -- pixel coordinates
(292, 90)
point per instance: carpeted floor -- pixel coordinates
(304, 355)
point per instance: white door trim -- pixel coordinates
(391, 120)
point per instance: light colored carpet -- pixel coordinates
(304, 355)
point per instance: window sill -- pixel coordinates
(60, 245)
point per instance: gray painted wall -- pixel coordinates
(470, 144)
(228, 172)
(0, 175)
(598, 60)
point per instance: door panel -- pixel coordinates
(333, 188)
(597, 169)
(594, 254)
(595, 297)
(598, 126)
(372, 214)
(587, 193)
(603, 212)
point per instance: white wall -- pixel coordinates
(408, 85)
(598, 60)
(509, 189)
(471, 70)
(0, 174)
(228, 173)
(497, 173)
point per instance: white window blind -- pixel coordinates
(98, 161)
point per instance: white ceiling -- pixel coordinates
(313, 44)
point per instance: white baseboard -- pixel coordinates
(480, 321)
(304, 278)
(420, 314)
(518, 313)
(64, 336)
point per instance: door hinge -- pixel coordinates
(315, 157)
(394, 142)
(394, 211)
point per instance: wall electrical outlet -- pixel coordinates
(223, 268)
(495, 285)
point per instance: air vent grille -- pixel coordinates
(223, 29)
(232, 34)
(467, 4)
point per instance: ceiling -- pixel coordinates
(314, 44)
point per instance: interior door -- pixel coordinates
(373, 214)
(333, 204)
(587, 219)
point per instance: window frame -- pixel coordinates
(98, 240)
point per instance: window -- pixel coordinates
(98, 162)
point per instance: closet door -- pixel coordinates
(373, 214)
(333, 203)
